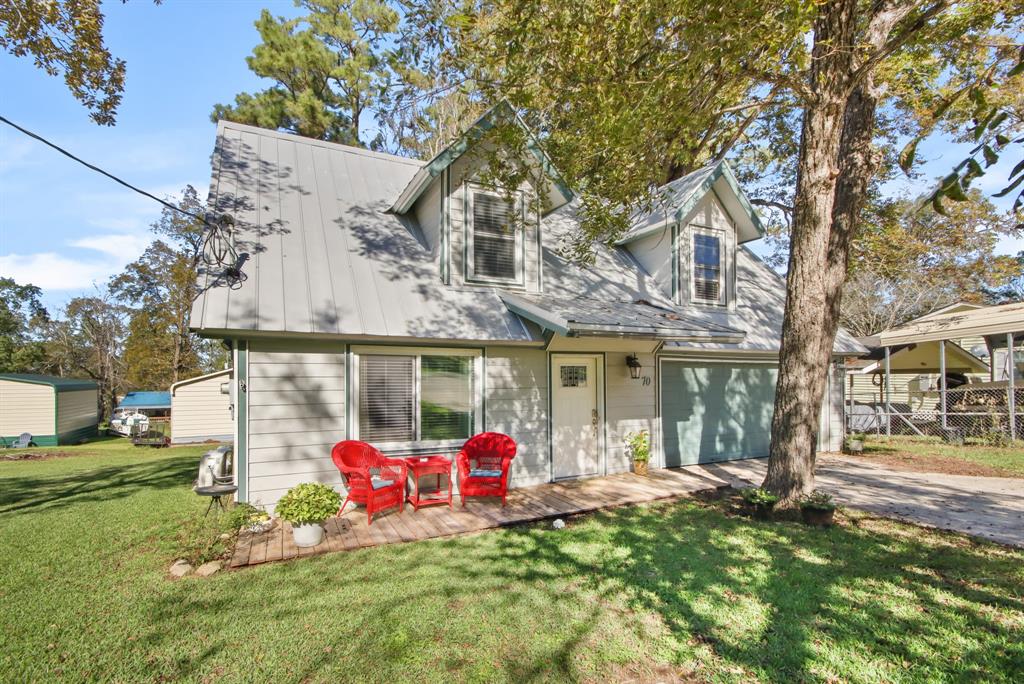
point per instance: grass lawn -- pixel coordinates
(931, 454)
(671, 592)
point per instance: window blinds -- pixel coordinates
(386, 398)
(397, 404)
(494, 238)
(707, 264)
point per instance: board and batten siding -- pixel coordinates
(200, 411)
(27, 407)
(296, 413)
(630, 406)
(517, 405)
(77, 410)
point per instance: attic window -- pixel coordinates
(707, 267)
(494, 244)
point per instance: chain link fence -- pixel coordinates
(972, 414)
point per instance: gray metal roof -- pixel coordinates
(328, 258)
(58, 383)
(580, 316)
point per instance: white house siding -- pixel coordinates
(428, 215)
(630, 406)
(654, 253)
(296, 411)
(76, 410)
(26, 407)
(200, 411)
(463, 171)
(516, 404)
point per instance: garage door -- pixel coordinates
(716, 412)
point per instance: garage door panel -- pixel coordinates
(716, 412)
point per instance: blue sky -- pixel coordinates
(67, 229)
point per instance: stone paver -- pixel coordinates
(988, 507)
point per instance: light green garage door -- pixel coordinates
(716, 412)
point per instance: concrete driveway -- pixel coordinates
(988, 507)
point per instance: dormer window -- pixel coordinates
(708, 266)
(495, 240)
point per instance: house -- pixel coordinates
(408, 305)
(52, 409)
(201, 409)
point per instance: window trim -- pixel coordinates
(519, 253)
(723, 270)
(417, 352)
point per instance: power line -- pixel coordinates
(109, 175)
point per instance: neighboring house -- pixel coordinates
(914, 384)
(152, 403)
(201, 409)
(53, 410)
(404, 304)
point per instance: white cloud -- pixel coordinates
(123, 247)
(52, 271)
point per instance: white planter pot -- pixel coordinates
(309, 534)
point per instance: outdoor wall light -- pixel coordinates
(634, 366)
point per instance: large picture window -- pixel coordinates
(493, 239)
(417, 397)
(707, 267)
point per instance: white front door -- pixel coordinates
(575, 416)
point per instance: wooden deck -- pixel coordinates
(525, 505)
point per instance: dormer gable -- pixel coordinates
(689, 241)
(481, 234)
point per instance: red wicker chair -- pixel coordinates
(370, 477)
(483, 465)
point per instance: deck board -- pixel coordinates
(560, 499)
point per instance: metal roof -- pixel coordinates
(328, 258)
(675, 200)
(923, 357)
(558, 194)
(58, 383)
(986, 321)
(581, 316)
(198, 378)
(150, 400)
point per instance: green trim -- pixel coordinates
(676, 256)
(447, 156)
(79, 434)
(38, 440)
(446, 227)
(58, 383)
(722, 171)
(242, 409)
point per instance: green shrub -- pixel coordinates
(818, 500)
(309, 502)
(756, 496)
(638, 446)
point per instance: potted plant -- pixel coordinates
(854, 443)
(306, 506)
(817, 508)
(638, 448)
(759, 502)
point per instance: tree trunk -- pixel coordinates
(811, 316)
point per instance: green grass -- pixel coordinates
(664, 592)
(1009, 459)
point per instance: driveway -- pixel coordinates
(988, 507)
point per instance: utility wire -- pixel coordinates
(111, 176)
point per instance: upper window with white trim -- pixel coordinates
(416, 396)
(708, 270)
(494, 239)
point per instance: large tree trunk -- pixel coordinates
(836, 164)
(811, 316)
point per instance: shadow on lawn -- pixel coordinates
(101, 484)
(769, 599)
